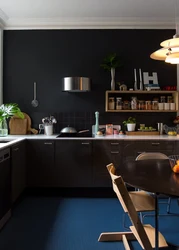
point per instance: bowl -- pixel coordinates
(174, 162)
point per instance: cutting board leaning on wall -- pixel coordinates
(18, 126)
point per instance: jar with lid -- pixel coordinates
(111, 103)
(134, 102)
(169, 99)
(162, 99)
(141, 105)
(154, 105)
(119, 103)
(148, 105)
(126, 105)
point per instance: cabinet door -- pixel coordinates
(165, 147)
(40, 172)
(18, 164)
(132, 149)
(105, 152)
(73, 163)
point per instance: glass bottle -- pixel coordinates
(148, 105)
(3, 128)
(134, 103)
(119, 103)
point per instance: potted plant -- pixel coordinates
(110, 63)
(6, 111)
(130, 123)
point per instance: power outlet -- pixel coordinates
(41, 126)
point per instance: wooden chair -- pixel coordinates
(144, 234)
(160, 156)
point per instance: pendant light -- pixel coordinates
(170, 51)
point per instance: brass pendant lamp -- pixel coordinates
(170, 51)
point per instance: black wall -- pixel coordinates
(46, 56)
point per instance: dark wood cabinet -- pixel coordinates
(133, 148)
(18, 169)
(40, 163)
(73, 163)
(105, 152)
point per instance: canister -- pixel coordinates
(111, 104)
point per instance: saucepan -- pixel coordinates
(70, 131)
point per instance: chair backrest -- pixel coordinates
(151, 155)
(111, 169)
(122, 192)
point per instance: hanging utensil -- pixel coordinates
(34, 102)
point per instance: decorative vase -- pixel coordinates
(131, 126)
(3, 128)
(112, 78)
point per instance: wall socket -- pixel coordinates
(41, 126)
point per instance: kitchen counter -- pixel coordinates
(12, 139)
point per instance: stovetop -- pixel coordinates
(78, 135)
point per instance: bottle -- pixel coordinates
(97, 122)
(134, 102)
(119, 103)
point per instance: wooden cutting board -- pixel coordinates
(20, 126)
(142, 133)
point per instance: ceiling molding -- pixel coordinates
(87, 23)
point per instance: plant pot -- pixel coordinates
(131, 126)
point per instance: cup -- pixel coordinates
(166, 106)
(48, 129)
(160, 127)
(172, 106)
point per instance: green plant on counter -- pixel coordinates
(9, 110)
(111, 61)
(130, 120)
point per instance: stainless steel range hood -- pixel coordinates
(76, 84)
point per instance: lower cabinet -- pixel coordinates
(40, 163)
(133, 148)
(73, 163)
(18, 169)
(105, 152)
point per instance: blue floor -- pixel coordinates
(54, 223)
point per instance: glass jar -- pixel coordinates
(141, 105)
(148, 105)
(111, 104)
(134, 103)
(169, 99)
(162, 99)
(119, 103)
(154, 105)
(126, 105)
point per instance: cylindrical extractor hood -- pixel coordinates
(76, 84)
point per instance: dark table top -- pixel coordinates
(151, 175)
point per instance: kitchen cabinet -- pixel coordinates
(73, 163)
(133, 148)
(40, 163)
(105, 152)
(141, 95)
(5, 186)
(18, 168)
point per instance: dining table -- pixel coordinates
(153, 175)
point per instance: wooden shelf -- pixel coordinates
(128, 94)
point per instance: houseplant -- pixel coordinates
(110, 63)
(6, 111)
(130, 123)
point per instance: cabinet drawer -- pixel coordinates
(163, 145)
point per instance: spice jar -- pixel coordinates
(119, 103)
(148, 105)
(154, 105)
(126, 105)
(141, 105)
(111, 103)
(169, 99)
(162, 99)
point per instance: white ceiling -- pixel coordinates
(19, 14)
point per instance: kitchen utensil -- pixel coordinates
(160, 127)
(69, 131)
(34, 102)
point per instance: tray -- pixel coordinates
(142, 133)
(147, 130)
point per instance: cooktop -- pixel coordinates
(79, 135)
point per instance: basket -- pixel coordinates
(174, 162)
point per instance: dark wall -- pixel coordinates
(46, 56)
